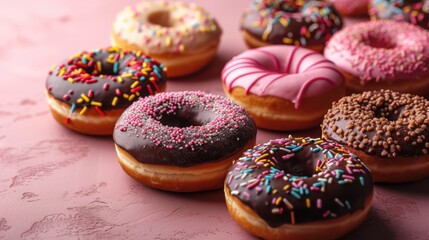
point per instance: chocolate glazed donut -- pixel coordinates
(279, 189)
(303, 23)
(180, 133)
(101, 83)
(387, 130)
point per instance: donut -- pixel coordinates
(298, 188)
(283, 87)
(415, 12)
(88, 92)
(387, 130)
(182, 141)
(184, 37)
(382, 55)
(351, 7)
(302, 23)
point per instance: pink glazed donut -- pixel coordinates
(351, 7)
(382, 55)
(283, 87)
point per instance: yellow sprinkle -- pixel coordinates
(265, 34)
(125, 95)
(286, 187)
(318, 142)
(98, 104)
(80, 100)
(99, 67)
(114, 101)
(138, 93)
(126, 75)
(138, 53)
(159, 33)
(287, 40)
(261, 157)
(132, 96)
(278, 201)
(53, 67)
(84, 97)
(168, 41)
(120, 80)
(70, 80)
(181, 48)
(83, 110)
(297, 43)
(266, 165)
(274, 191)
(283, 22)
(135, 84)
(308, 202)
(62, 71)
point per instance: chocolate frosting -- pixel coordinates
(278, 22)
(97, 78)
(413, 11)
(380, 123)
(300, 180)
(183, 129)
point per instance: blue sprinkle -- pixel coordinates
(307, 191)
(295, 189)
(115, 67)
(73, 108)
(267, 181)
(291, 146)
(297, 149)
(330, 155)
(362, 181)
(318, 184)
(339, 156)
(341, 182)
(142, 78)
(348, 204)
(84, 61)
(248, 170)
(315, 150)
(296, 195)
(268, 189)
(301, 191)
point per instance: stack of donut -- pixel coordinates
(286, 188)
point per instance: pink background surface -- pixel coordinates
(55, 183)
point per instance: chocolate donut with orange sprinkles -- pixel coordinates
(387, 130)
(88, 92)
(298, 188)
(306, 23)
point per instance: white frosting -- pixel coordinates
(185, 28)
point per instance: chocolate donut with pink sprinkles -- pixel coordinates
(182, 131)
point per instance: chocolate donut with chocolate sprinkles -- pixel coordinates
(387, 130)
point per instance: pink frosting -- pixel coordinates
(381, 51)
(349, 6)
(287, 72)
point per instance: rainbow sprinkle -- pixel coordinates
(308, 186)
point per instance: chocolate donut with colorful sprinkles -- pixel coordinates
(88, 92)
(298, 188)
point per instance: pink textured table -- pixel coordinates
(55, 183)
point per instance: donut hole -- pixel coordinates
(380, 40)
(183, 119)
(161, 18)
(390, 114)
(303, 164)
